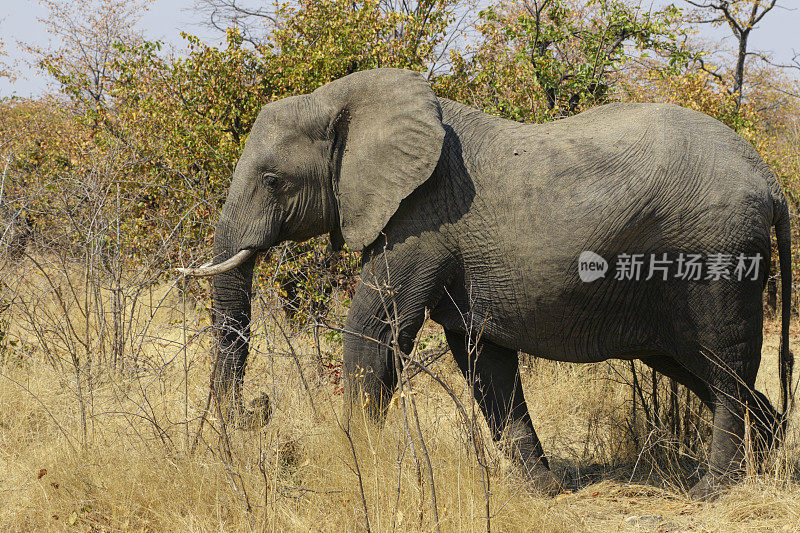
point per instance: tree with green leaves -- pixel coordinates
(87, 32)
(537, 60)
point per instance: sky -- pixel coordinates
(778, 33)
(19, 21)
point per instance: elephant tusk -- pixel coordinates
(209, 269)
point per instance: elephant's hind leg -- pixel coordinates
(724, 384)
(494, 373)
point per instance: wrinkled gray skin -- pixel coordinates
(484, 220)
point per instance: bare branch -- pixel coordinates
(254, 23)
(725, 11)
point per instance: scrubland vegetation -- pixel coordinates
(136, 448)
(116, 179)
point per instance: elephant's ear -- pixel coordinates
(391, 125)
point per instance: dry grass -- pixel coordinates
(135, 470)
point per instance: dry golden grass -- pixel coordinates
(134, 471)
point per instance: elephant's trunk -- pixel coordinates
(231, 316)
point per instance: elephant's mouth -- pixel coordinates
(210, 269)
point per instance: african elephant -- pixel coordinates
(489, 224)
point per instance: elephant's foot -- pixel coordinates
(525, 451)
(711, 486)
(542, 480)
(256, 417)
(260, 412)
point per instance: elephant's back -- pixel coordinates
(641, 175)
(634, 176)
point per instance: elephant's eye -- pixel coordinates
(270, 178)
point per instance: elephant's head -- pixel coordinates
(339, 160)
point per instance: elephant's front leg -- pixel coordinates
(384, 319)
(494, 373)
(369, 361)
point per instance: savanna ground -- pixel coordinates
(121, 447)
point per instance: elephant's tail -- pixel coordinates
(785, 356)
